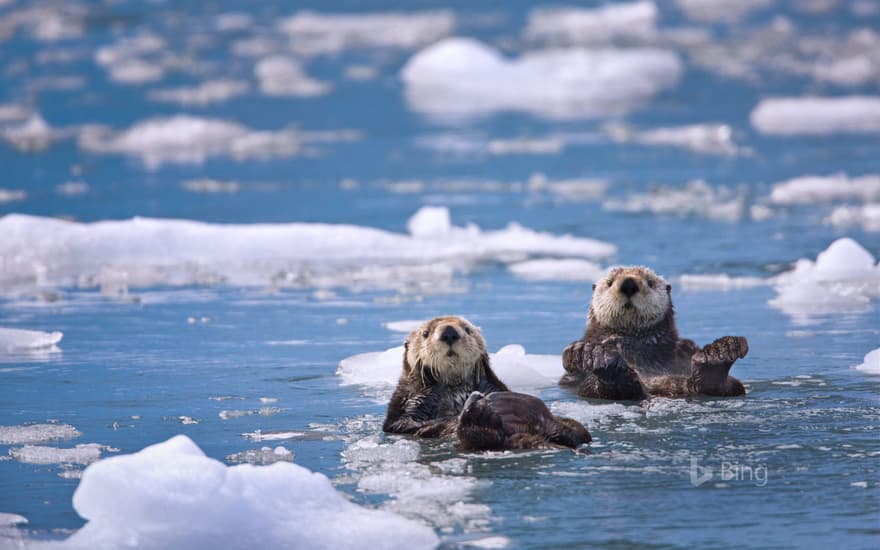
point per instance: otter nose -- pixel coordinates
(629, 287)
(449, 335)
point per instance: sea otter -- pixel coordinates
(445, 367)
(631, 349)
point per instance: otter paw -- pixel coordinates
(724, 350)
(605, 358)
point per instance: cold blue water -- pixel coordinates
(794, 463)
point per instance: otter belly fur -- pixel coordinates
(448, 388)
(631, 348)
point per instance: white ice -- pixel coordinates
(12, 195)
(279, 75)
(845, 278)
(377, 372)
(871, 364)
(187, 139)
(205, 93)
(137, 253)
(720, 11)
(33, 134)
(697, 198)
(14, 339)
(821, 189)
(7, 520)
(263, 455)
(557, 270)
(592, 25)
(171, 495)
(721, 281)
(462, 78)
(315, 33)
(407, 325)
(817, 115)
(84, 453)
(867, 216)
(36, 433)
(708, 138)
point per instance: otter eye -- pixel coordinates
(610, 282)
(651, 283)
(425, 334)
(467, 329)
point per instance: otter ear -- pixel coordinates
(406, 367)
(594, 286)
(669, 290)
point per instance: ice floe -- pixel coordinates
(283, 76)
(697, 198)
(407, 325)
(135, 59)
(189, 139)
(377, 372)
(205, 93)
(845, 278)
(833, 188)
(171, 495)
(14, 339)
(12, 195)
(460, 78)
(137, 253)
(557, 270)
(34, 134)
(867, 216)
(315, 33)
(592, 25)
(871, 364)
(36, 433)
(82, 454)
(263, 455)
(721, 281)
(817, 115)
(207, 185)
(720, 11)
(710, 139)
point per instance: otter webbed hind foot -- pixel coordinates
(711, 366)
(510, 420)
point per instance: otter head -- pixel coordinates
(630, 298)
(449, 350)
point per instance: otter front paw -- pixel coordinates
(723, 351)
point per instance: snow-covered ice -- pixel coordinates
(871, 364)
(832, 188)
(377, 372)
(263, 455)
(12, 195)
(720, 11)
(465, 78)
(845, 278)
(315, 33)
(137, 253)
(170, 495)
(205, 93)
(697, 198)
(14, 339)
(721, 281)
(708, 138)
(602, 24)
(867, 216)
(283, 76)
(406, 325)
(817, 116)
(84, 453)
(557, 270)
(33, 134)
(36, 433)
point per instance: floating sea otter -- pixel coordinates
(448, 388)
(631, 348)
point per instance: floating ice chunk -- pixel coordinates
(817, 115)
(116, 255)
(34, 134)
(430, 222)
(850, 71)
(720, 11)
(233, 21)
(591, 26)
(407, 325)
(211, 91)
(696, 198)
(721, 281)
(206, 185)
(12, 195)
(461, 78)
(36, 433)
(843, 279)
(263, 455)
(378, 372)
(710, 139)
(14, 339)
(592, 415)
(557, 270)
(283, 76)
(72, 188)
(190, 139)
(871, 364)
(171, 495)
(571, 190)
(489, 542)
(85, 453)
(868, 216)
(818, 189)
(316, 33)
(528, 146)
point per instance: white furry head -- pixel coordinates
(448, 349)
(630, 298)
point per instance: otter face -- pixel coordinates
(449, 349)
(629, 298)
